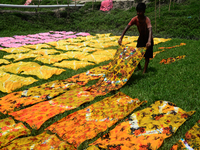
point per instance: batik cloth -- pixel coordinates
(46, 91)
(74, 64)
(87, 123)
(9, 130)
(145, 129)
(122, 67)
(171, 59)
(20, 56)
(42, 141)
(181, 44)
(191, 140)
(37, 114)
(9, 83)
(4, 61)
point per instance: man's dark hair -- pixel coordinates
(141, 7)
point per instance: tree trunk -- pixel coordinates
(170, 4)
(159, 8)
(92, 4)
(155, 15)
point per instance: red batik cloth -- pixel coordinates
(42, 141)
(145, 129)
(9, 130)
(87, 123)
(171, 59)
(191, 140)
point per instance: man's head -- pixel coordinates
(140, 9)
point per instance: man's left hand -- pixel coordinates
(148, 44)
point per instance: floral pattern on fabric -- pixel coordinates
(9, 130)
(122, 67)
(171, 59)
(9, 83)
(87, 123)
(33, 95)
(145, 129)
(42, 141)
(191, 140)
(37, 114)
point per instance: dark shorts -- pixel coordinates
(149, 51)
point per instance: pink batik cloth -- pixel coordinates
(106, 5)
(28, 2)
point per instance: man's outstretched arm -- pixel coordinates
(120, 39)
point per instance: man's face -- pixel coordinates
(140, 13)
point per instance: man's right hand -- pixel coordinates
(120, 41)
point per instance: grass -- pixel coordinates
(177, 82)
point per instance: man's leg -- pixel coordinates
(139, 66)
(146, 65)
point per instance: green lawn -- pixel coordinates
(177, 82)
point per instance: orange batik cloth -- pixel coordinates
(42, 141)
(37, 114)
(87, 123)
(145, 129)
(182, 44)
(9, 130)
(171, 59)
(34, 95)
(191, 140)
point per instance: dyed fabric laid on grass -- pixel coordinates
(46, 91)
(87, 123)
(171, 59)
(20, 56)
(191, 140)
(10, 130)
(16, 50)
(37, 114)
(145, 129)
(43, 72)
(182, 44)
(4, 61)
(9, 83)
(42, 141)
(44, 52)
(122, 67)
(74, 64)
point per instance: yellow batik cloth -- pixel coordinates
(191, 140)
(74, 64)
(145, 129)
(108, 52)
(88, 49)
(20, 56)
(171, 59)
(33, 95)
(19, 67)
(157, 52)
(10, 130)
(42, 141)
(37, 46)
(16, 50)
(87, 123)
(67, 47)
(43, 72)
(122, 67)
(51, 59)
(97, 58)
(103, 35)
(37, 114)
(74, 54)
(182, 44)
(9, 83)
(160, 40)
(44, 52)
(4, 61)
